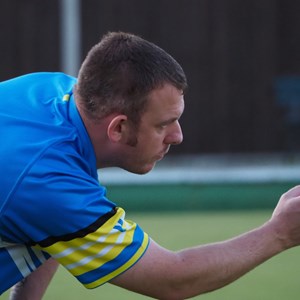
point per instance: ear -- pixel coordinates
(117, 129)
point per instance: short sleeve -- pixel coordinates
(60, 209)
(96, 254)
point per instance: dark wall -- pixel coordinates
(232, 52)
(29, 37)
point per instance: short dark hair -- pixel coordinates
(120, 71)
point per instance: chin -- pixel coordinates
(141, 170)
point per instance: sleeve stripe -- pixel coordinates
(103, 254)
(122, 268)
(80, 265)
(85, 246)
(80, 233)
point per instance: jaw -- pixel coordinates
(138, 167)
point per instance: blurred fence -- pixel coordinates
(205, 183)
(232, 51)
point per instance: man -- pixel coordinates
(56, 131)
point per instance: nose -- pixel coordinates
(174, 136)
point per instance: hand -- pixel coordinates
(286, 218)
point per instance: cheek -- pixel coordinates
(155, 139)
(149, 145)
(150, 140)
(132, 140)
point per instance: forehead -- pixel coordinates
(165, 101)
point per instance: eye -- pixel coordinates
(163, 125)
(167, 123)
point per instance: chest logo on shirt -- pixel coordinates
(66, 97)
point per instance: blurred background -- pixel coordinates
(242, 58)
(241, 123)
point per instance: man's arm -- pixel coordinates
(34, 286)
(164, 274)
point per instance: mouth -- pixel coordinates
(166, 150)
(163, 153)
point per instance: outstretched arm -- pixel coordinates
(164, 274)
(34, 286)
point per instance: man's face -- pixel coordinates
(158, 129)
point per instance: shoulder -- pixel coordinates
(42, 83)
(59, 193)
(33, 77)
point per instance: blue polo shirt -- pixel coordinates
(51, 203)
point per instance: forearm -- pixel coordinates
(201, 269)
(164, 274)
(34, 286)
(213, 266)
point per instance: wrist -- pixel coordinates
(278, 238)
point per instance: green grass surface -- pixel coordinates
(276, 279)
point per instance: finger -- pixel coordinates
(293, 192)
